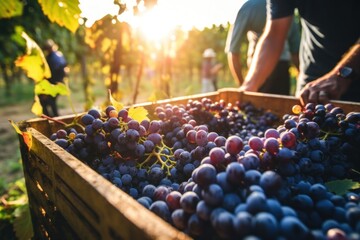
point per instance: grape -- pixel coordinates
(243, 224)
(191, 136)
(230, 201)
(189, 201)
(62, 143)
(256, 202)
(270, 181)
(266, 225)
(133, 124)
(292, 228)
(154, 126)
(179, 218)
(220, 141)
(288, 139)
(203, 210)
(161, 193)
(271, 145)
(195, 225)
(161, 209)
(61, 134)
(87, 119)
(256, 143)
(201, 137)
(155, 138)
(272, 133)
(234, 145)
(223, 224)
(217, 156)
(213, 195)
(173, 200)
(235, 173)
(204, 175)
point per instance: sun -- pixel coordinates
(155, 24)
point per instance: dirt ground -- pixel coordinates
(10, 158)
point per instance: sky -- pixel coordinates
(170, 13)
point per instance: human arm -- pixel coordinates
(331, 83)
(234, 62)
(267, 53)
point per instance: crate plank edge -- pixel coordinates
(69, 200)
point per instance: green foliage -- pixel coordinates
(10, 9)
(14, 211)
(341, 187)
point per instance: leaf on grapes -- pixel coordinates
(22, 222)
(10, 9)
(26, 136)
(65, 13)
(33, 62)
(45, 87)
(341, 187)
(36, 107)
(117, 105)
(138, 113)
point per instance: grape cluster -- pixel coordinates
(218, 170)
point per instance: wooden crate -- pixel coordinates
(69, 200)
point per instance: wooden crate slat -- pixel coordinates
(97, 191)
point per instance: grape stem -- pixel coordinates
(157, 153)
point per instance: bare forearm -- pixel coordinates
(235, 67)
(351, 59)
(267, 53)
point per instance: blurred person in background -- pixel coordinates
(250, 22)
(329, 49)
(58, 67)
(209, 71)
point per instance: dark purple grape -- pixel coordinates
(189, 201)
(161, 209)
(235, 173)
(271, 145)
(234, 145)
(213, 195)
(270, 181)
(61, 134)
(179, 219)
(256, 143)
(87, 119)
(173, 200)
(204, 175)
(201, 137)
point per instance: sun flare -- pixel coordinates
(155, 25)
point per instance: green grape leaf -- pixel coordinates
(65, 13)
(33, 62)
(10, 9)
(36, 107)
(22, 223)
(117, 105)
(138, 113)
(45, 87)
(341, 187)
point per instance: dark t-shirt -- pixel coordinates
(329, 29)
(57, 64)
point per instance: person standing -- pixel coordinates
(329, 49)
(250, 22)
(58, 67)
(209, 71)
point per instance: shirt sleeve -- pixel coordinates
(279, 8)
(238, 30)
